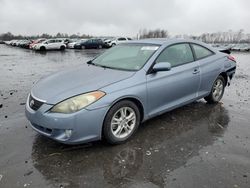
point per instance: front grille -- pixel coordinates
(34, 104)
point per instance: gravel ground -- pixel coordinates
(198, 145)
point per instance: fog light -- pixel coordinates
(68, 133)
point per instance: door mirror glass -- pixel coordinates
(162, 66)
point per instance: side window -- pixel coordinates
(51, 41)
(120, 39)
(201, 51)
(176, 55)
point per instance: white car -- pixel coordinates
(73, 42)
(50, 44)
(115, 41)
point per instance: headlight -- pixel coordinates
(77, 103)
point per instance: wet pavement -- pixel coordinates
(198, 145)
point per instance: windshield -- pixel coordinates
(126, 57)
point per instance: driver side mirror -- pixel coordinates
(162, 66)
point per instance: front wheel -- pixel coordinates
(42, 48)
(121, 122)
(217, 90)
(62, 48)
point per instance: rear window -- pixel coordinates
(201, 52)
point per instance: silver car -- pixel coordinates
(110, 96)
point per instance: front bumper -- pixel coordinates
(79, 127)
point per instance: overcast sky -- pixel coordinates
(123, 17)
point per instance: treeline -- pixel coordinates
(217, 37)
(221, 37)
(226, 37)
(157, 33)
(9, 36)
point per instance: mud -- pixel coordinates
(198, 145)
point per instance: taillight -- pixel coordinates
(231, 58)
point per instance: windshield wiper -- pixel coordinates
(104, 66)
(90, 62)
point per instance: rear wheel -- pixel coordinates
(217, 90)
(121, 122)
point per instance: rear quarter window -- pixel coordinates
(201, 52)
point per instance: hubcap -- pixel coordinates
(217, 89)
(123, 122)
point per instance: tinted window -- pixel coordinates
(201, 52)
(176, 55)
(121, 39)
(89, 41)
(51, 41)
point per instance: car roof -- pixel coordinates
(163, 41)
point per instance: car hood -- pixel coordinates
(85, 78)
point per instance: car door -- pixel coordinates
(121, 40)
(210, 67)
(89, 43)
(50, 44)
(57, 44)
(179, 85)
(94, 43)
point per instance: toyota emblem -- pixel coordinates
(32, 102)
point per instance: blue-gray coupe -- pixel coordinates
(109, 96)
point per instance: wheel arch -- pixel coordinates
(224, 75)
(42, 47)
(133, 99)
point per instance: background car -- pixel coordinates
(72, 42)
(25, 43)
(117, 40)
(51, 44)
(36, 42)
(91, 43)
(241, 47)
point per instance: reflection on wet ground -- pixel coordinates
(198, 145)
(162, 145)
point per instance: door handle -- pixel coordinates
(196, 71)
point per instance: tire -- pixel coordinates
(118, 128)
(62, 48)
(42, 48)
(113, 44)
(217, 90)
